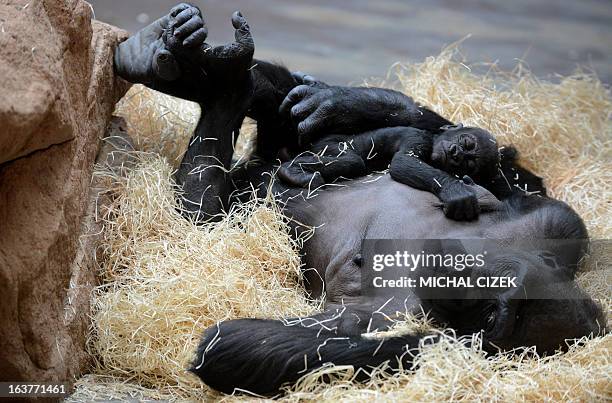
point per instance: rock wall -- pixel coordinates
(57, 93)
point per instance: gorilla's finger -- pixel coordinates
(469, 212)
(242, 48)
(294, 96)
(472, 208)
(475, 208)
(184, 16)
(192, 25)
(304, 108)
(309, 128)
(178, 8)
(197, 38)
(303, 78)
(468, 209)
(467, 180)
(243, 31)
(464, 210)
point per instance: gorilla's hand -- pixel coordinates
(319, 110)
(459, 201)
(217, 71)
(171, 56)
(135, 57)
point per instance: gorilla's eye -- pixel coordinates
(491, 320)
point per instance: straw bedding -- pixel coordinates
(165, 280)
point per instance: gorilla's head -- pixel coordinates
(466, 151)
(546, 308)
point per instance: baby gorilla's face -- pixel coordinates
(466, 151)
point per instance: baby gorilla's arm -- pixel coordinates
(459, 200)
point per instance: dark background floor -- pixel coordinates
(346, 41)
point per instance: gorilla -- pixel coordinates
(543, 310)
(456, 151)
(451, 150)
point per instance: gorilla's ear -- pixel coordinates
(508, 153)
(451, 127)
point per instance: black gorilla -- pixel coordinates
(260, 355)
(422, 159)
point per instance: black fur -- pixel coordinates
(350, 110)
(512, 178)
(260, 355)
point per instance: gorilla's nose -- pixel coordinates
(454, 150)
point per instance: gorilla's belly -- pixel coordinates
(386, 209)
(383, 209)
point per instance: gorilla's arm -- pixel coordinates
(459, 200)
(351, 110)
(272, 83)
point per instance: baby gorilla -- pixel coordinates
(466, 151)
(419, 158)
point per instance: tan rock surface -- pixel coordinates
(57, 93)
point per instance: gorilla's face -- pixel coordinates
(544, 310)
(465, 151)
(548, 323)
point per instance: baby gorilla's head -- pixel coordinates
(468, 151)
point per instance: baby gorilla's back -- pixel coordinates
(337, 157)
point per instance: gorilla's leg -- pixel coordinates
(171, 55)
(349, 156)
(224, 97)
(143, 58)
(203, 170)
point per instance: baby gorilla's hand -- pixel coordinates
(460, 201)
